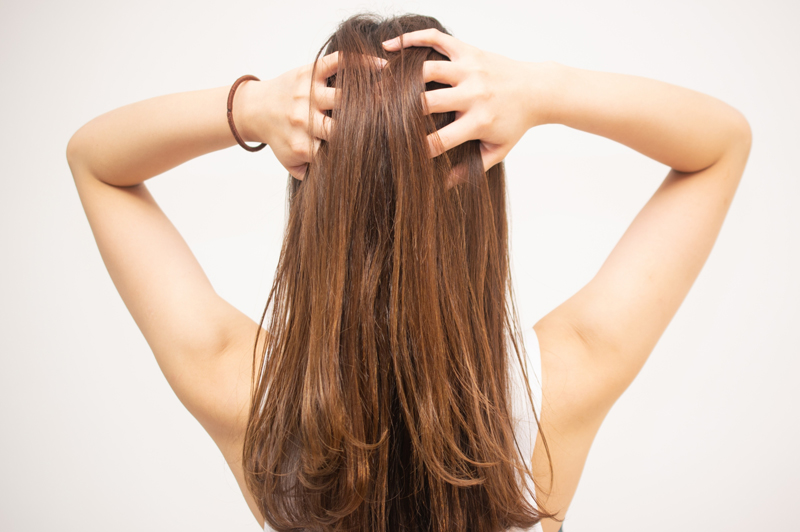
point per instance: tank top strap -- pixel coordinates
(534, 357)
(525, 425)
(523, 419)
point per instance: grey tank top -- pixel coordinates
(525, 428)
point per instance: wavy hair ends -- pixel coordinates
(381, 399)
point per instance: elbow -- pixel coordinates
(735, 149)
(76, 153)
(73, 150)
(71, 155)
(742, 134)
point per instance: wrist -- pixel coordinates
(247, 106)
(544, 92)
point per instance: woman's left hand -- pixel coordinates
(496, 99)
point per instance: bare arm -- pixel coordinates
(202, 344)
(624, 310)
(595, 343)
(184, 321)
(186, 324)
(681, 128)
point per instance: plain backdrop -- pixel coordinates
(93, 438)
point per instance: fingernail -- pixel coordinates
(391, 43)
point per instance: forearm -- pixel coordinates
(133, 143)
(681, 128)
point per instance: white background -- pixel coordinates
(94, 439)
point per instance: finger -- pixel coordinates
(321, 126)
(327, 98)
(379, 62)
(298, 172)
(327, 66)
(490, 157)
(370, 60)
(458, 174)
(441, 42)
(444, 100)
(445, 72)
(449, 137)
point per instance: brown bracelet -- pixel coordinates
(230, 114)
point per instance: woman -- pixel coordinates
(380, 395)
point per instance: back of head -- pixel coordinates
(381, 399)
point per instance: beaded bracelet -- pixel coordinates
(230, 114)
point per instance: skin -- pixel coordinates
(592, 345)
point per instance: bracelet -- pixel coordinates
(230, 114)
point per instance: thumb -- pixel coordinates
(298, 172)
(491, 156)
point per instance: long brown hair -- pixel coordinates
(381, 398)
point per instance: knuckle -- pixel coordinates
(484, 122)
(485, 75)
(430, 34)
(301, 91)
(297, 118)
(299, 148)
(483, 89)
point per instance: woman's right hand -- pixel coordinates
(494, 97)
